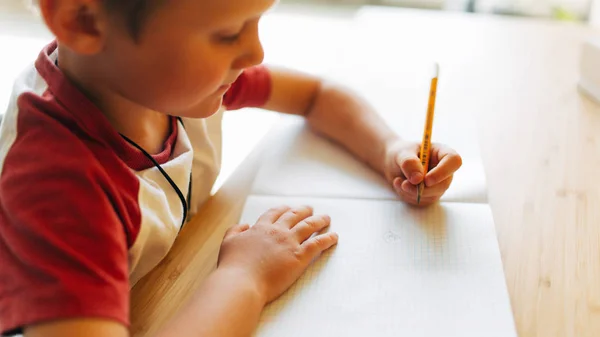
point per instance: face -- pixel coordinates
(187, 54)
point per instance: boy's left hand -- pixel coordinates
(403, 169)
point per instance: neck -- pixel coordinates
(146, 127)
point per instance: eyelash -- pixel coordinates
(230, 39)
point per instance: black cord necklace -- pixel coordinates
(184, 203)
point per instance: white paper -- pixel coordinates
(301, 163)
(396, 271)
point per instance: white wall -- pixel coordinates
(595, 13)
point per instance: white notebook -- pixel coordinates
(396, 271)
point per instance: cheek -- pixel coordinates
(186, 80)
(171, 78)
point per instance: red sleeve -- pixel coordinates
(63, 248)
(251, 89)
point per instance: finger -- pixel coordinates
(314, 224)
(423, 202)
(411, 197)
(447, 161)
(404, 188)
(293, 216)
(434, 191)
(314, 246)
(237, 229)
(411, 166)
(273, 214)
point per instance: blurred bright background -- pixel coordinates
(557, 9)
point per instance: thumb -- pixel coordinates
(411, 167)
(234, 230)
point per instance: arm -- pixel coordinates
(342, 116)
(227, 304)
(334, 112)
(224, 298)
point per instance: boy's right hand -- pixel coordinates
(277, 249)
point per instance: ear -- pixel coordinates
(80, 25)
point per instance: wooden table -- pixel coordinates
(513, 83)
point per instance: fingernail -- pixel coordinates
(416, 177)
(327, 218)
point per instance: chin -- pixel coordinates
(213, 107)
(205, 109)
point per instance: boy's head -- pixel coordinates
(132, 11)
(175, 57)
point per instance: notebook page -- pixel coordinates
(301, 163)
(396, 271)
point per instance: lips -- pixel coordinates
(228, 85)
(224, 87)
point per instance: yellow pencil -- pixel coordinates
(426, 144)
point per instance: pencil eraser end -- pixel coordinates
(436, 70)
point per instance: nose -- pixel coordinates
(254, 53)
(257, 55)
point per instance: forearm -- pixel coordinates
(343, 117)
(226, 305)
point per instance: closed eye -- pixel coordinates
(229, 38)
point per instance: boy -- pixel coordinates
(112, 141)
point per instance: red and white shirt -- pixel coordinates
(83, 214)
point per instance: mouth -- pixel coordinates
(224, 88)
(228, 85)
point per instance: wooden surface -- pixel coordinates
(512, 84)
(542, 154)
